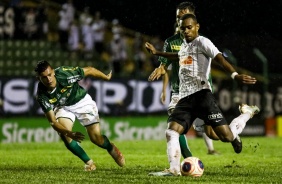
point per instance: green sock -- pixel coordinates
(75, 148)
(185, 151)
(107, 144)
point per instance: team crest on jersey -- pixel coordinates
(65, 89)
(63, 100)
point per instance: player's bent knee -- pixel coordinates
(226, 138)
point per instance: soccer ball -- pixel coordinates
(192, 166)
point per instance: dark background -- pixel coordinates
(239, 25)
(156, 17)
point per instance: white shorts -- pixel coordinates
(173, 102)
(85, 111)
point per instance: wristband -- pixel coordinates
(234, 74)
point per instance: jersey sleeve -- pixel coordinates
(44, 103)
(166, 48)
(209, 48)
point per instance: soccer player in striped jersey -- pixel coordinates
(172, 44)
(63, 100)
(196, 98)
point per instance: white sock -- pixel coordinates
(238, 124)
(173, 150)
(208, 142)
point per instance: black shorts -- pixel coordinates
(201, 104)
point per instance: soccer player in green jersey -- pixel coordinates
(172, 44)
(63, 100)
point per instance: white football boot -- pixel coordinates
(253, 109)
(166, 172)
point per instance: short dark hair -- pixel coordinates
(41, 66)
(189, 15)
(186, 5)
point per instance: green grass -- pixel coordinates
(259, 162)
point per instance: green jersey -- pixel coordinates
(173, 44)
(67, 92)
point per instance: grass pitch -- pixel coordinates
(259, 162)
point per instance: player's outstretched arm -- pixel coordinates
(152, 50)
(77, 136)
(93, 72)
(242, 78)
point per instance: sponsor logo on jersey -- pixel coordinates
(186, 61)
(53, 100)
(215, 117)
(73, 79)
(175, 47)
(65, 69)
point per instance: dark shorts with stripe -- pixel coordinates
(201, 104)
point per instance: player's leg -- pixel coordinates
(184, 147)
(173, 146)
(173, 151)
(238, 124)
(209, 144)
(67, 119)
(225, 132)
(178, 124)
(87, 113)
(200, 125)
(208, 130)
(230, 133)
(102, 141)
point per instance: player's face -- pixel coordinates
(180, 13)
(48, 78)
(189, 29)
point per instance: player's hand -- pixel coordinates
(109, 76)
(245, 79)
(150, 48)
(77, 136)
(156, 74)
(163, 96)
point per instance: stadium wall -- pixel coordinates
(130, 109)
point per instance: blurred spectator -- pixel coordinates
(30, 26)
(117, 50)
(139, 54)
(158, 44)
(42, 19)
(117, 29)
(98, 30)
(74, 39)
(66, 17)
(85, 20)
